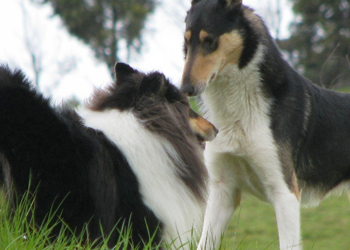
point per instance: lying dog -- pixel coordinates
(282, 138)
(131, 156)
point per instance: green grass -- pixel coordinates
(253, 226)
(327, 226)
(19, 232)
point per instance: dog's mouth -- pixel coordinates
(208, 137)
(212, 78)
(201, 141)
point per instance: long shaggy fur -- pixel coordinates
(92, 176)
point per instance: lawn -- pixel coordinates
(327, 226)
(253, 226)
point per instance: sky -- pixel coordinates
(69, 66)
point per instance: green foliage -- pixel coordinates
(320, 41)
(194, 104)
(103, 23)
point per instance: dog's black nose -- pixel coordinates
(187, 89)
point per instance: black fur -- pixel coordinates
(312, 121)
(219, 19)
(308, 126)
(79, 168)
(166, 112)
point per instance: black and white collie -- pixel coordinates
(130, 156)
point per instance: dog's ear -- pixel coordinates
(153, 83)
(123, 70)
(230, 3)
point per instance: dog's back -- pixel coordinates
(48, 152)
(130, 157)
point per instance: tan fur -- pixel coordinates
(231, 47)
(202, 35)
(188, 35)
(203, 128)
(206, 66)
(288, 170)
(295, 186)
(256, 21)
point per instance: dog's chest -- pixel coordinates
(240, 111)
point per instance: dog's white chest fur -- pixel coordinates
(148, 156)
(238, 108)
(244, 155)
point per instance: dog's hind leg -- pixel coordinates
(224, 197)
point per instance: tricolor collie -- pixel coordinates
(281, 138)
(131, 156)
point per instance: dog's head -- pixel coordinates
(157, 103)
(217, 35)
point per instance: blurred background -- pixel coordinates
(67, 47)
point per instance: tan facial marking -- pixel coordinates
(229, 52)
(203, 65)
(188, 35)
(202, 35)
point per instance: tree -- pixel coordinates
(36, 57)
(102, 24)
(320, 42)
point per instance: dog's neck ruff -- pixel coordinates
(236, 104)
(236, 94)
(151, 159)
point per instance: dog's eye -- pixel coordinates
(209, 44)
(208, 41)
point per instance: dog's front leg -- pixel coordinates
(223, 198)
(284, 197)
(287, 209)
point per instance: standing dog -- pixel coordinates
(281, 138)
(129, 157)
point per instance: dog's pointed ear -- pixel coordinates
(123, 70)
(154, 83)
(230, 3)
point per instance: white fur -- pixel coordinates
(243, 156)
(147, 153)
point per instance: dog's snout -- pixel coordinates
(188, 89)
